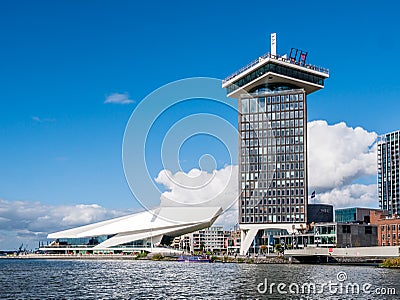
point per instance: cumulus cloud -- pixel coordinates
(361, 195)
(32, 221)
(339, 154)
(338, 157)
(118, 98)
(200, 188)
(197, 187)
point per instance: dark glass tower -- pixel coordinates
(388, 172)
(271, 93)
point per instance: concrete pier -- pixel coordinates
(343, 255)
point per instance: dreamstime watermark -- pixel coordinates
(340, 286)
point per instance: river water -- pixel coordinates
(114, 279)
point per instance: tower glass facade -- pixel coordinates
(388, 172)
(271, 93)
(273, 159)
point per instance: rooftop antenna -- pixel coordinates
(273, 44)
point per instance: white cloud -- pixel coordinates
(118, 98)
(196, 187)
(199, 188)
(25, 221)
(84, 214)
(339, 154)
(42, 120)
(351, 195)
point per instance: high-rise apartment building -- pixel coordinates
(388, 172)
(271, 93)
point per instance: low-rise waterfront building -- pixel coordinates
(354, 214)
(319, 213)
(388, 228)
(209, 239)
(355, 235)
(150, 231)
(340, 235)
(213, 239)
(232, 240)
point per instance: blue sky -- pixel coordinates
(59, 60)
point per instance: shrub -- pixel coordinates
(391, 263)
(279, 248)
(157, 256)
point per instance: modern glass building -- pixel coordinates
(318, 213)
(388, 172)
(273, 160)
(354, 214)
(271, 93)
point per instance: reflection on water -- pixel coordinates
(45, 279)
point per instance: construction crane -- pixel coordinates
(20, 249)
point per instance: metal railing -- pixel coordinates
(276, 57)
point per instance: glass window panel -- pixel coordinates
(261, 103)
(253, 105)
(245, 106)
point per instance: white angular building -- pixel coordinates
(144, 231)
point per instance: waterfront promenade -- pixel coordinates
(269, 259)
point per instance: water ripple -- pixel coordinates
(110, 279)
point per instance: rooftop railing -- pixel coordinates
(279, 58)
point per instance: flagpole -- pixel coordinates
(313, 196)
